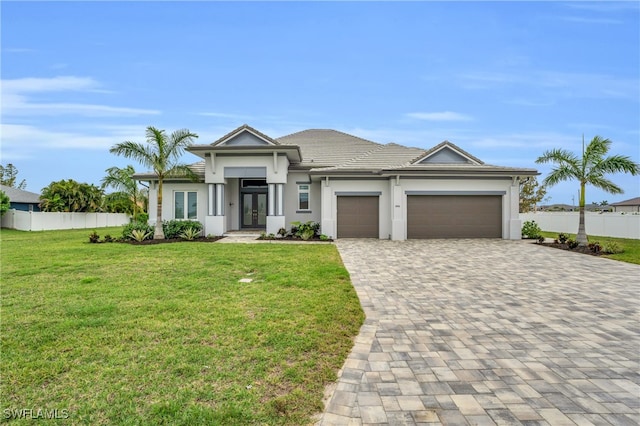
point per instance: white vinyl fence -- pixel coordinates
(41, 221)
(601, 224)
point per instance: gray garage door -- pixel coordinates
(454, 216)
(358, 217)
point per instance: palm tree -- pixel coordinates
(588, 170)
(122, 180)
(161, 154)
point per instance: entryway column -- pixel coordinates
(211, 200)
(219, 210)
(215, 222)
(271, 211)
(279, 199)
(275, 216)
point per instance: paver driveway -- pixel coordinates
(485, 332)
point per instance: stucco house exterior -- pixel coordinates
(352, 186)
(22, 200)
(627, 206)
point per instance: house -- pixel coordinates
(22, 200)
(627, 206)
(352, 186)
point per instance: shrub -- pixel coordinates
(139, 235)
(175, 228)
(530, 229)
(562, 237)
(94, 237)
(611, 247)
(136, 226)
(595, 247)
(324, 238)
(572, 244)
(540, 239)
(108, 239)
(282, 232)
(142, 217)
(190, 234)
(306, 230)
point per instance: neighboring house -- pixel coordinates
(351, 186)
(558, 208)
(627, 206)
(22, 200)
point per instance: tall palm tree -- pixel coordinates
(590, 169)
(161, 154)
(122, 180)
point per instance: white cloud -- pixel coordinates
(17, 98)
(564, 84)
(225, 115)
(55, 84)
(583, 20)
(439, 116)
(542, 140)
(24, 140)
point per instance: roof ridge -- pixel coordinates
(331, 130)
(369, 153)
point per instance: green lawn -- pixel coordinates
(631, 247)
(165, 334)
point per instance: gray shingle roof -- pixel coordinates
(631, 202)
(325, 148)
(19, 196)
(332, 151)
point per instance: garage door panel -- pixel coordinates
(450, 216)
(358, 217)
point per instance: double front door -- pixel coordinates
(254, 209)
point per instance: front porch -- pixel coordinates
(245, 204)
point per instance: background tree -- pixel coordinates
(122, 181)
(590, 169)
(71, 196)
(161, 154)
(531, 193)
(9, 177)
(4, 203)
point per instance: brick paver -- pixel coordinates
(489, 332)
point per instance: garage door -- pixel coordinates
(358, 217)
(454, 216)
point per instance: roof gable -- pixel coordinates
(245, 136)
(447, 153)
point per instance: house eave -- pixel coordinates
(291, 151)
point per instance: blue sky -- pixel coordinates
(503, 80)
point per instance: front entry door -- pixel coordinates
(254, 210)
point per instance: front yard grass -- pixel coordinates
(631, 247)
(166, 334)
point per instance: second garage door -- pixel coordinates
(358, 217)
(454, 216)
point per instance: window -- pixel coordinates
(303, 197)
(188, 199)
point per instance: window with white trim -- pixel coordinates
(303, 197)
(185, 205)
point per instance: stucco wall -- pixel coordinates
(509, 200)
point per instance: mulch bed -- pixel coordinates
(173, 240)
(298, 240)
(579, 249)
